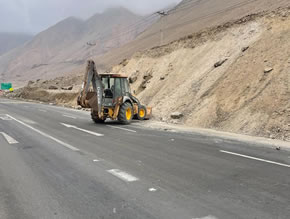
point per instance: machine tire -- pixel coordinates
(97, 120)
(126, 113)
(142, 113)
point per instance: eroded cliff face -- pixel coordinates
(235, 77)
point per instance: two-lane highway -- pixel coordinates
(56, 163)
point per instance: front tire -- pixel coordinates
(126, 113)
(142, 113)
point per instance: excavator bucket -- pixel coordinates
(93, 99)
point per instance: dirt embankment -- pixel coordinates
(235, 77)
(61, 91)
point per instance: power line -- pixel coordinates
(204, 16)
(142, 24)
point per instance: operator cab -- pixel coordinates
(115, 86)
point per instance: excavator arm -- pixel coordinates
(92, 99)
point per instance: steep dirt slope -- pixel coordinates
(65, 46)
(249, 93)
(10, 41)
(188, 17)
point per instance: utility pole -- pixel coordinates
(162, 20)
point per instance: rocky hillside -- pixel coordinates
(234, 77)
(65, 46)
(9, 41)
(186, 18)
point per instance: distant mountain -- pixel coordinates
(10, 41)
(68, 44)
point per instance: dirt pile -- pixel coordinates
(61, 91)
(248, 91)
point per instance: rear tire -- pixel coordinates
(142, 113)
(126, 113)
(96, 119)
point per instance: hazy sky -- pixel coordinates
(36, 15)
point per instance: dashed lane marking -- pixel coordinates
(9, 139)
(41, 110)
(123, 175)
(69, 116)
(83, 130)
(255, 158)
(117, 127)
(45, 135)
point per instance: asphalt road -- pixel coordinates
(56, 163)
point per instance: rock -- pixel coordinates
(244, 49)
(220, 63)
(78, 107)
(176, 115)
(278, 148)
(124, 62)
(132, 79)
(52, 87)
(30, 83)
(148, 75)
(268, 70)
(162, 78)
(144, 86)
(67, 88)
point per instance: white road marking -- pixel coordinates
(83, 130)
(117, 127)
(152, 190)
(69, 116)
(41, 110)
(27, 120)
(4, 117)
(45, 135)
(123, 175)
(256, 158)
(207, 217)
(9, 139)
(96, 160)
(12, 102)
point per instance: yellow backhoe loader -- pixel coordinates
(109, 96)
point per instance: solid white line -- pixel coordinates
(68, 116)
(46, 135)
(117, 127)
(256, 158)
(9, 139)
(12, 102)
(83, 130)
(123, 175)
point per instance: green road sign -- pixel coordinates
(6, 86)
